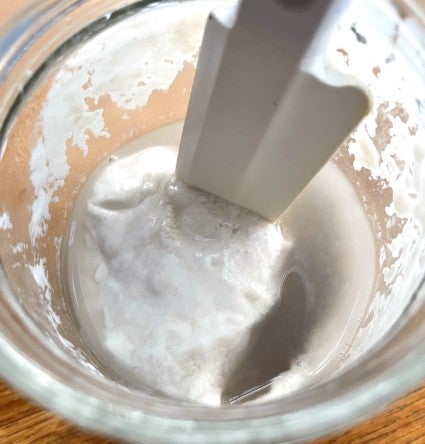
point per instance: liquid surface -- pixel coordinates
(183, 294)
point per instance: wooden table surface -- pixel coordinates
(22, 422)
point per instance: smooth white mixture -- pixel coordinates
(195, 270)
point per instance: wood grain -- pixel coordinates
(24, 423)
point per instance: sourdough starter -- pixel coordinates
(183, 294)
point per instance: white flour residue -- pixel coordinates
(41, 278)
(142, 54)
(5, 222)
(39, 273)
(127, 62)
(20, 247)
(390, 144)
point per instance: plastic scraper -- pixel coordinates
(266, 110)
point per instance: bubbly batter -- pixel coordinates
(189, 296)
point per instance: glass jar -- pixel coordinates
(47, 151)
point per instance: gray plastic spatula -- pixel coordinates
(266, 113)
